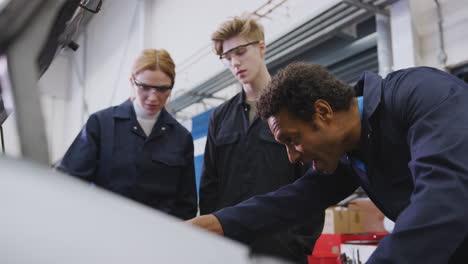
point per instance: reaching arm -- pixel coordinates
(306, 234)
(290, 205)
(208, 222)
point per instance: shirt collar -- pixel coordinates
(126, 111)
(360, 100)
(141, 114)
(240, 100)
(369, 86)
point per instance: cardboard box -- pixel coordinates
(336, 220)
(341, 220)
(373, 217)
(356, 221)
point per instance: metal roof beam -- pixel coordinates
(368, 7)
(317, 30)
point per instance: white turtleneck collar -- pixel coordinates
(146, 121)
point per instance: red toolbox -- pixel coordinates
(327, 248)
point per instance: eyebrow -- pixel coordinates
(284, 135)
(240, 46)
(152, 86)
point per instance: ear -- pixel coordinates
(323, 111)
(132, 89)
(262, 47)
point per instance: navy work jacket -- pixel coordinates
(113, 151)
(243, 159)
(415, 150)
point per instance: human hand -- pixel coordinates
(207, 222)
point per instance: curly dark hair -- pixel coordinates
(298, 86)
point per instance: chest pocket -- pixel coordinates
(167, 168)
(226, 139)
(169, 159)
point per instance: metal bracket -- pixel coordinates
(267, 12)
(349, 32)
(94, 11)
(371, 8)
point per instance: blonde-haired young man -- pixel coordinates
(242, 158)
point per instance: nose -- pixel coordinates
(235, 62)
(152, 96)
(293, 154)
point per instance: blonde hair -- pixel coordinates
(242, 26)
(155, 59)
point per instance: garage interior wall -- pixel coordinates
(96, 75)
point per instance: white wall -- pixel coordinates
(97, 74)
(455, 24)
(415, 33)
(185, 32)
(94, 77)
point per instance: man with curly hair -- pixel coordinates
(403, 139)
